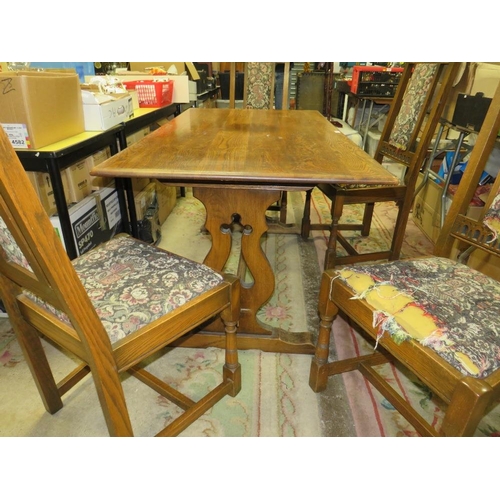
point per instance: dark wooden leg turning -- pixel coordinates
(230, 317)
(468, 405)
(306, 217)
(318, 376)
(283, 207)
(331, 251)
(367, 219)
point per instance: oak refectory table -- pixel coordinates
(238, 161)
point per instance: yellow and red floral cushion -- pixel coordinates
(438, 302)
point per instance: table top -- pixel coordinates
(247, 147)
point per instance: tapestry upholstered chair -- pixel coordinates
(258, 93)
(259, 85)
(112, 307)
(411, 122)
(434, 315)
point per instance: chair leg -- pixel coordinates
(331, 251)
(32, 348)
(399, 232)
(230, 317)
(318, 375)
(283, 206)
(467, 407)
(112, 399)
(232, 368)
(306, 216)
(367, 219)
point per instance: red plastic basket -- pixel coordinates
(152, 94)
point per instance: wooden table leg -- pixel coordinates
(245, 208)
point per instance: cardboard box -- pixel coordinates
(98, 157)
(486, 78)
(138, 184)
(103, 111)
(94, 220)
(427, 208)
(193, 93)
(144, 199)
(141, 66)
(166, 197)
(38, 109)
(79, 180)
(135, 99)
(137, 136)
(208, 103)
(43, 187)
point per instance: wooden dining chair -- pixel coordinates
(414, 114)
(258, 93)
(112, 307)
(258, 85)
(433, 315)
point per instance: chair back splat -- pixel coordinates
(435, 316)
(88, 306)
(414, 114)
(259, 87)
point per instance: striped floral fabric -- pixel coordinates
(413, 99)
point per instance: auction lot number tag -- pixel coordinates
(18, 135)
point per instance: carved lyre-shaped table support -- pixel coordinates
(246, 208)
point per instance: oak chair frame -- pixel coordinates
(55, 281)
(411, 159)
(466, 398)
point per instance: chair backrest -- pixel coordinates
(259, 85)
(30, 248)
(414, 115)
(483, 233)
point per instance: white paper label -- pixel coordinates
(18, 135)
(113, 209)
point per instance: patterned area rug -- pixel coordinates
(275, 399)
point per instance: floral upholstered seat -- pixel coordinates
(124, 275)
(441, 303)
